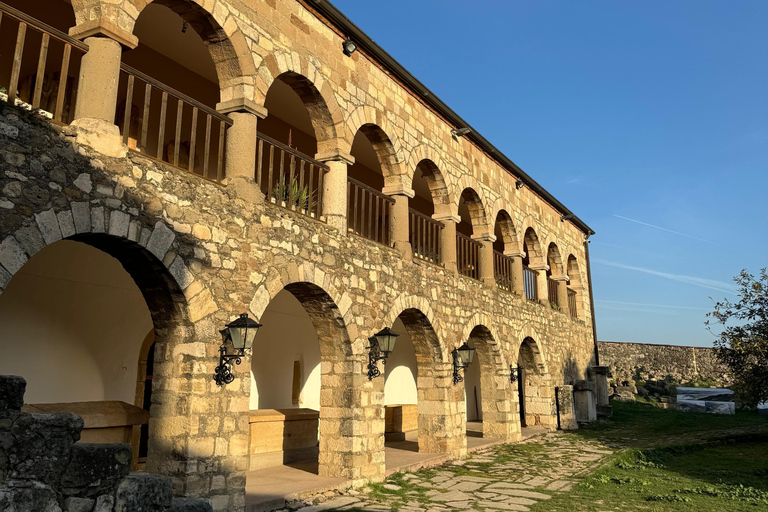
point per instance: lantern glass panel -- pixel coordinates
(466, 354)
(386, 339)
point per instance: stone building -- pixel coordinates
(187, 161)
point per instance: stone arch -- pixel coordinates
(504, 230)
(343, 356)
(534, 386)
(535, 254)
(316, 94)
(554, 260)
(218, 28)
(438, 186)
(477, 211)
(497, 397)
(379, 131)
(442, 424)
(407, 302)
(576, 283)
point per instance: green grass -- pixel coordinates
(715, 477)
(642, 425)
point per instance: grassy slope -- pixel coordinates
(663, 471)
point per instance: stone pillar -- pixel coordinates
(241, 142)
(448, 241)
(584, 401)
(501, 412)
(485, 258)
(442, 412)
(541, 283)
(562, 294)
(565, 408)
(335, 188)
(518, 284)
(601, 391)
(399, 222)
(94, 119)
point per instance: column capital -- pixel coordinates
(539, 267)
(484, 237)
(103, 27)
(563, 278)
(242, 105)
(398, 189)
(514, 254)
(446, 217)
(335, 155)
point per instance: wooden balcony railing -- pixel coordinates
(503, 270)
(529, 283)
(425, 237)
(289, 178)
(467, 256)
(368, 212)
(163, 123)
(551, 291)
(39, 65)
(572, 309)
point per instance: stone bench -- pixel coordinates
(399, 419)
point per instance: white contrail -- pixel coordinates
(712, 284)
(664, 229)
(665, 306)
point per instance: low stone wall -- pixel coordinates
(630, 362)
(42, 469)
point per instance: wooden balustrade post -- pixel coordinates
(94, 119)
(240, 146)
(541, 282)
(485, 258)
(448, 241)
(518, 283)
(399, 221)
(335, 188)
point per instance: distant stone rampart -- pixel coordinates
(644, 361)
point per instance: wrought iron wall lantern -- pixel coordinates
(237, 336)
(513, 374)
(462, 358)
(382, 344)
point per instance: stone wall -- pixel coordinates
(43, 470)
(630, 362)
(201, 253)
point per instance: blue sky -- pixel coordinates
(648, 119)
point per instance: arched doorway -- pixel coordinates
(535, 394)
(74, 322)
(420, 374)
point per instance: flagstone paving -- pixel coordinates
(505, 477)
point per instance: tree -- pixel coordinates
(743, 347)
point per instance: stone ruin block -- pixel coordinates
(143, 492)
(12, 390)
(584, 401)
(39, 446)
(95, 469)
(190, 505)
(565, 408)
(26, 496)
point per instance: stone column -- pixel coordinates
(518, 284)
(335, 188)
(565, 408)
(601, 391)
(399, 222)
(241, 146)
(442, 412)
(94, 119)
(541, 282)
(448, 241)
(485, 258)
(584, 401)
(501, 412)
(562, 294)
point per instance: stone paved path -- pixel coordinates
(507, 477)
